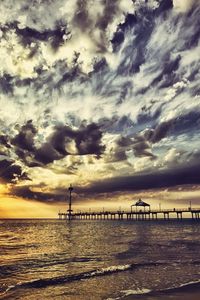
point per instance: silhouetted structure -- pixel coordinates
(141, 215)
(140, 203)
(70, 189)
(137, 215)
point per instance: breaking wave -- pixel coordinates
(186, 287)
(40, 283)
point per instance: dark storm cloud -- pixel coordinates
(124, 141)
(141, 147)
(141, 143)
(54, 37)
(157, 179)
(118, 155)
(27, 193)
(187, 123)
(160, 131)
(62, 142)
(11, 172)
(4, 140)
(88, 140)
(69, 76)
(46, 154)
(6, 85)
(5, 146)
(138, 144)
(29, 35)
(25, 138)
(62, 136)
(118, 151)
(165, 5)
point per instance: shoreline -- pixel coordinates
(189, 291)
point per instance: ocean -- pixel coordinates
(59, 259)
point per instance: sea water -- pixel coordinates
(59, 259)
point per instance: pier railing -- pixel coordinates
(136, 214)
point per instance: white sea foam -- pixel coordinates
(110, 269)
(131, 292)
(136, 292)
(187, 284)
(117, 268)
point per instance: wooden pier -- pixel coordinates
(140, 211)
(136, 215)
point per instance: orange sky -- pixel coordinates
(16, 207)
(12, 207)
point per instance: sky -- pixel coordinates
(103, 95)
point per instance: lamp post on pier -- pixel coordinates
(70, 189)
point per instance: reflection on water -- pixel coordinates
(95, 259)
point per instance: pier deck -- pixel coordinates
(137, 215)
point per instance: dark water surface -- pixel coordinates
(52, 259)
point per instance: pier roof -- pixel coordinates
(141, 203)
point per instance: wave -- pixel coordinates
(40, 283)
(131, 292)
(136, 292)
(42, 263)
(185, 287)
(191, 285)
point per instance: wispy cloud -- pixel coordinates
(94, 91)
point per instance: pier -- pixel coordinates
(140, 211)
(165, 214)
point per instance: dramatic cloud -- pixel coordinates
(100, 92)
(65, 30)
(167, 178)
(28, 193)
(63, 141)
(25, 138)
(11, 172)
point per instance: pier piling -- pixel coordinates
(151, 215)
